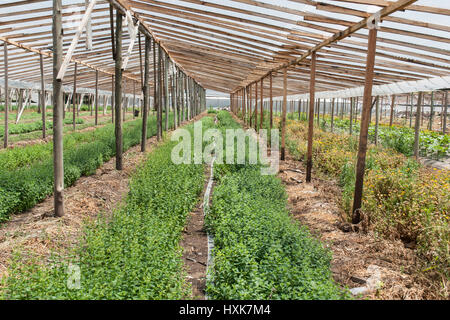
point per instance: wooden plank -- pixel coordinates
(73, 44)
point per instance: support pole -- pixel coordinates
(417, 125)
(283, 117)
(362, 150)
(146, 92)
(118, 93)
(391, 116)
(5, 60)
(74, 96)
(312, 91)
(271, 102)
(42, 97)
(58, 108)
(262, 107)
(444, 125)
(332, 114)
(96, 97)
(377, 118)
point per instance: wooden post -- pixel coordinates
(361, 162)
(134, 98)
(262, 108)
(430, 124)
(125, 100)
(42, 97)
(417, 125)
(146, 92)
(58, 109)
(113, 96)
(351, 115)
(312, 89)
(391, 116)
(96, 97)
(166, 91)
(318, 112)
(118, 93)
(250, 106)
(5, 60)
(283, 116)
(377, 119)
(256, 106)
(332, 115)
(271, 102)
(74, 96)
(411, 113)
(444, 123)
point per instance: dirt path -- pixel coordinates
(195, 244)
(38, 232)
(358, 258)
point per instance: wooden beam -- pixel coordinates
(361, 162)
(83, 23)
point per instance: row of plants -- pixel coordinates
(431, 144)
(28, 185)
(34, 126)
(260, 252)
(135, 254)
(401, 199)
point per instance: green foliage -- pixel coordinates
(135, 255)
(260, 253)
(33, 126)
(32, 180)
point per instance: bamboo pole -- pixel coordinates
(118, 93)
(58, 109)
(362, 149)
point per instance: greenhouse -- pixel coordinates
(244, 150)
